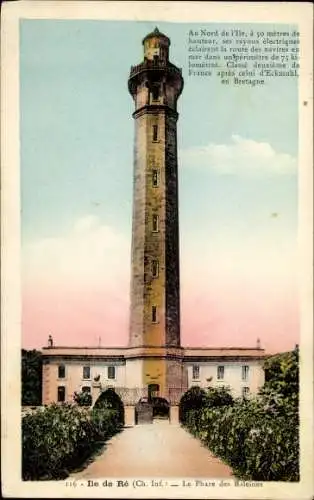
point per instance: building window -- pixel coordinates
(245, 372)
(111, 372)
(155, 268)
(220, 372)
(155, 178)
(155, 133)
(155, 223)
(245, 392)
(155, 91)
(195, 372)
(86, 372)
(61, 394)
(154, 314)
(61, 371)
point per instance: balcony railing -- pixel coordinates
(154, 65)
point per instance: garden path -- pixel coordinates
(155, 450)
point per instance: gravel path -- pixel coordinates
(155, 450)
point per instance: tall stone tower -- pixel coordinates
(155, 85)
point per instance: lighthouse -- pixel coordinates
(155, 85)
(154, 363)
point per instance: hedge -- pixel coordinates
(259, 437)
(251, 439)
(110, 399)
(58, 438)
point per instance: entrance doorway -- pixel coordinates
(153, 391)
(161, 407)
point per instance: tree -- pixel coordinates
(193, 399)
(109, 399)
(218, 396)
(83, 398)
(282, 376)
(280, 394)
(31, 378)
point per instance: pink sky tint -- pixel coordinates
(76, 288)
(81, 318)
(76, 319)
(228, 321)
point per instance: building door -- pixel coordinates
(153, 391)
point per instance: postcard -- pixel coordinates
(156, 248)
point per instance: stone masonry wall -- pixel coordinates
(154, 292)
(138, 234)
(163, 245)
(172, 236)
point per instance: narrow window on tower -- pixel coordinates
(154, 314)
(155, 178)
(155, 92)
(155, 269)
(155, 223)
(155, 133)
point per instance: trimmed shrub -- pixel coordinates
(107, 421)
(254, 441)
(82, 398)
(218, 396)
(192, 399)
(259, 437)
(60, 437)
(109, 399)
(196, 399)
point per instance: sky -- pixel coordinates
(238, 156)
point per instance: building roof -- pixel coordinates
(186, 353)
(223, 352)
(83, 351)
